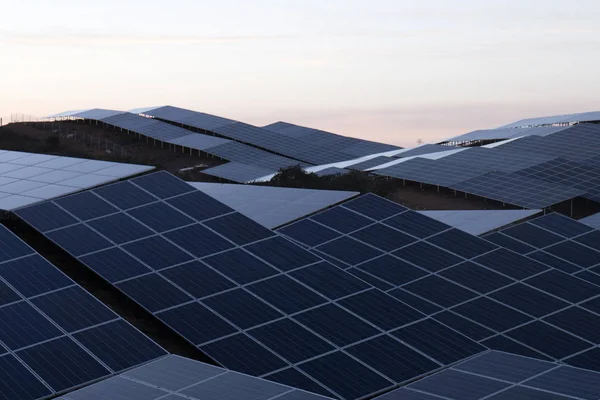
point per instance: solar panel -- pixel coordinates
(174, 375)
(518, 190)
(53, 334)
(224, 283)
(272, 206)
(28, 178)
(478, 222)
(502, 376)
(491, 295)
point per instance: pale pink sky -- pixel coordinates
(387, 70)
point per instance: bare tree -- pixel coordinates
(419, 141)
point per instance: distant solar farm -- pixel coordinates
(124, 281)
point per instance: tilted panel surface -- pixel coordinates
(502, 376)
(223, 282)
(503, 300)
(54, 335)
(193, 380)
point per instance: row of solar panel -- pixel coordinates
(535, 172)
(224, 284)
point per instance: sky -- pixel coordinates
(394, 71)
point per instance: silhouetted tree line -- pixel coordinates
(358, 181)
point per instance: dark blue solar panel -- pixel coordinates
(114, 265)
(591, 239)
(86, 206)
(198, 240)
(375, 207)
(458, 385)
(371, 280)
(239, 229)
(592, 305)
(295, 378)
(418, 303)
(579, 322)
(523, 393)
(492, 314)
(33, 275)
(575, 253)
(382, 237)
(462, 243)
(336, 325)
(427, 256)
(153, 292)
(79, 240)
(392, 270)
(73, 308)
(197, 279)
(163, 185)
(62, 363)
(474, 277)
(509, 243)
(380, 309)
(589, 276)
(349, 250)
(529, 300)
(242, 309)
(196, 323)
(438, 341)
(531, 234)
(199, 205)
(18, 382)
(564, 286)
(589, 360)
(243, 354)
(120, 228)
(329, 280)
(107, 343)
(124, 195)
(309, 233)
(392, 358)
(286, 294)
(160, 217)
(561, 225)
(7, 295)
(157, 253)
(440, 291)
(11, 246)
(21, 325)
(512, 264)
(502, 343)
(353, 380)
(548, 340)
(302, 344)
(462, 325)
(554, 262)
(282, 253)
(46, 216)
(342, 220)
(416, 224)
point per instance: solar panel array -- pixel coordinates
(592, 220)
(54, 335)
(352, 147)
(174, 377)
(280, 144)
(373, 162)
(518, 190)
(28, 178)
(224, 282)
(499, 298)
(505, 133)
(570, 246)
(533, 172)
(194, 119)
(556, 119)
(503, 376)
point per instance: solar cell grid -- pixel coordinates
(218, 310)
